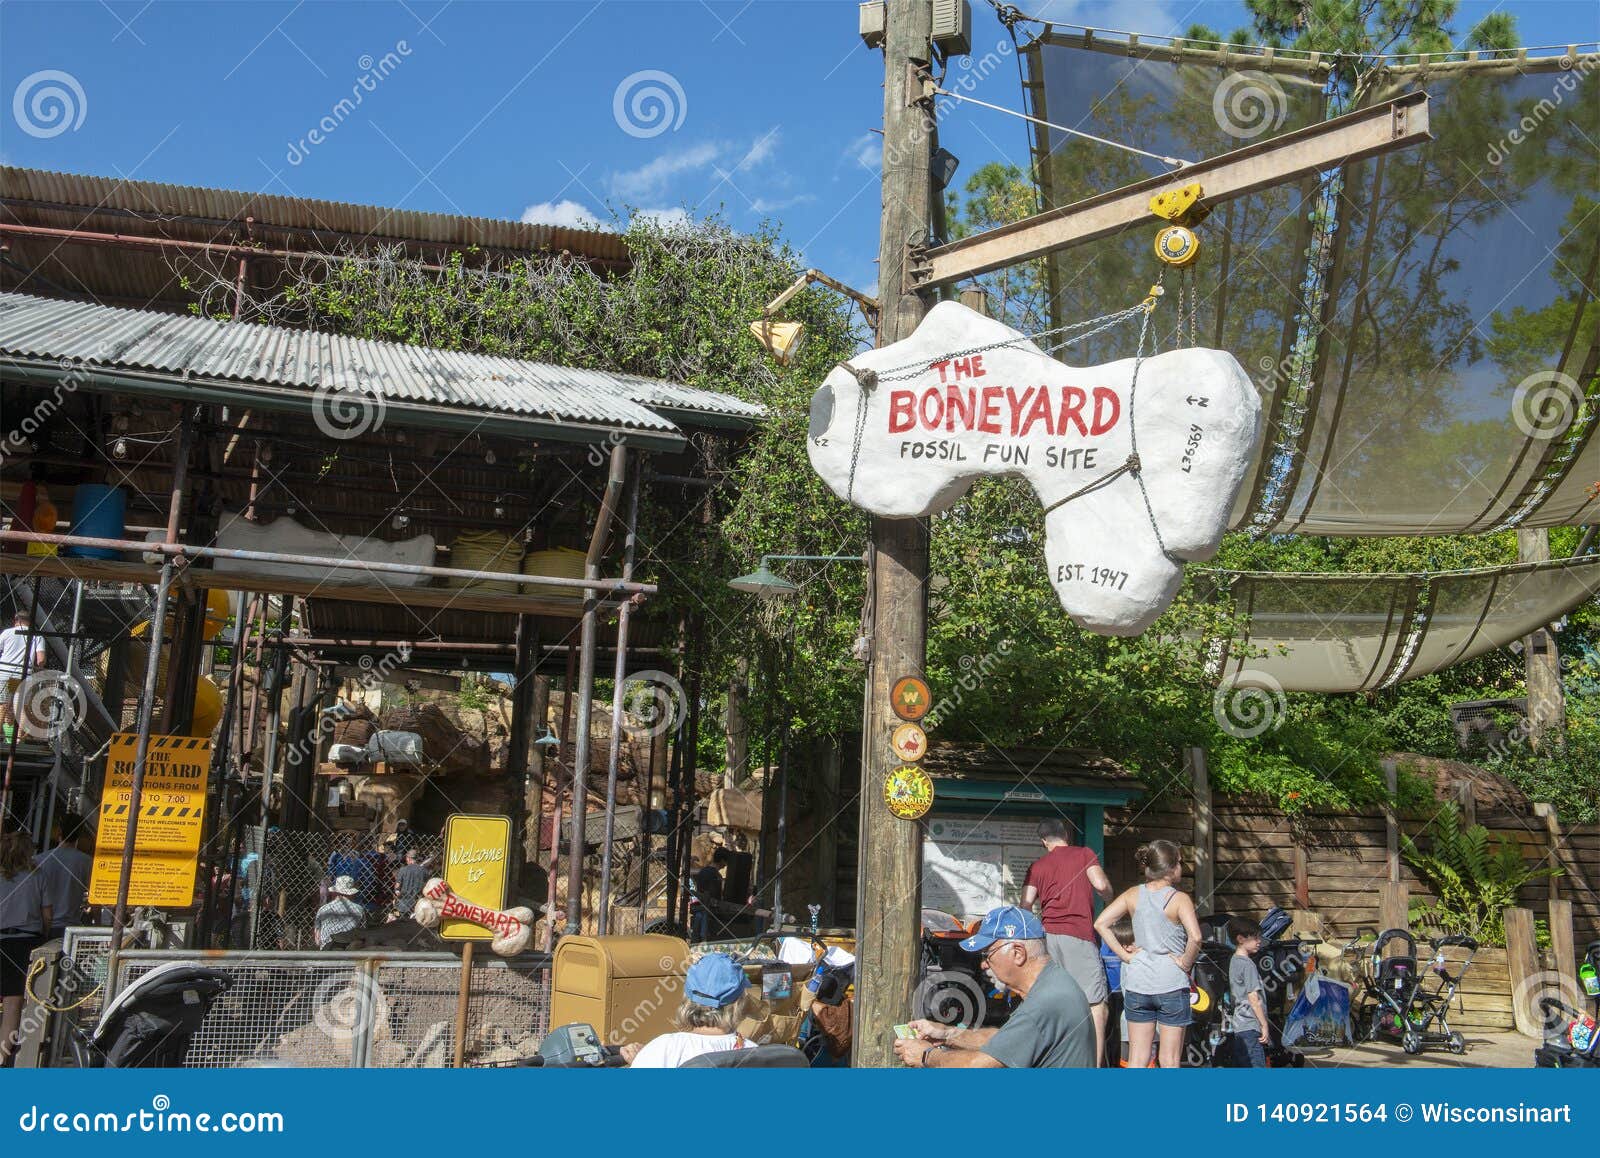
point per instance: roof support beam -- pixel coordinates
(1366, 132)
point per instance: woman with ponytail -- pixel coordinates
(1155, 969)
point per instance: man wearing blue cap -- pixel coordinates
(1052, 1029)
(708, 1020)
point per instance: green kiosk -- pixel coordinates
(982, 832)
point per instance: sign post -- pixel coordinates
(888, 920)
(477, 854)
(171, 812)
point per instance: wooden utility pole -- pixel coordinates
(1547, 712)
(888, 906)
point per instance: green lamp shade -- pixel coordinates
(763, 582)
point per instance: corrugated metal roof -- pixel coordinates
(114, 196)
(193, 348)
(671, 398)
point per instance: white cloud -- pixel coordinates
(719, 159)
(567, 214)
(865, 151)
(764, 146)
(666, 218)
(775, 204)
(651, 179)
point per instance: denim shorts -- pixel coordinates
(1169, 1009)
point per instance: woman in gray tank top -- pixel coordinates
(1155, 968)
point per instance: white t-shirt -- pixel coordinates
(671, 1050)
(13, 648)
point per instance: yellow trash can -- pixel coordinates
(628, 988)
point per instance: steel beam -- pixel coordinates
(1366, 132)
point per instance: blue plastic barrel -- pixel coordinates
(98, 512)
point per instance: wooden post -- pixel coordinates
(1205, 848)
(1394, 903)
(1302, 875)
(889, 885)
(1541, 660)
(1391, 818)
(463, 994)
(1552, 828)
(1522, 960)
(1467, 802)
(1562, 946)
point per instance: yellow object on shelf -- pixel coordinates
(559, 562)
(484, 551)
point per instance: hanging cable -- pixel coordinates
(1175, 162)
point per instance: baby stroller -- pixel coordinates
(1572, 1037)
(150, 1023)
(1400, 1007)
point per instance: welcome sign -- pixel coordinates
(903, 431)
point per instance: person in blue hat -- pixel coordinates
(1052, 1029)
(713, 1005)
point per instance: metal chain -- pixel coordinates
(1133, 441)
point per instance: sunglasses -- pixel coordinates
(993, 949)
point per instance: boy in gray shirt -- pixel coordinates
(1250, 1033)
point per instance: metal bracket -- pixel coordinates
(920, 85)
(915, 269)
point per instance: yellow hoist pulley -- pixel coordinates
(1176, 244)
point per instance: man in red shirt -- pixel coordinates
(1063, 883)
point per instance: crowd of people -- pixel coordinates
(1046, 952)
(368, 888)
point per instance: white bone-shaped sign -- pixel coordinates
(512, 928)
(933, 424)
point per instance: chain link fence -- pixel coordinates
(340, 1010)
(290, 881)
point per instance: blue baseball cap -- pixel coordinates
(1007, 923)
(714, 981)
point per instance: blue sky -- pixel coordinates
(514, 110)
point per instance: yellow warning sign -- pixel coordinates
(163, 880)
(172, 813)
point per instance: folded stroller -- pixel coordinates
(150, 1023)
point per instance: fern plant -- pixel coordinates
(1472, 879)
